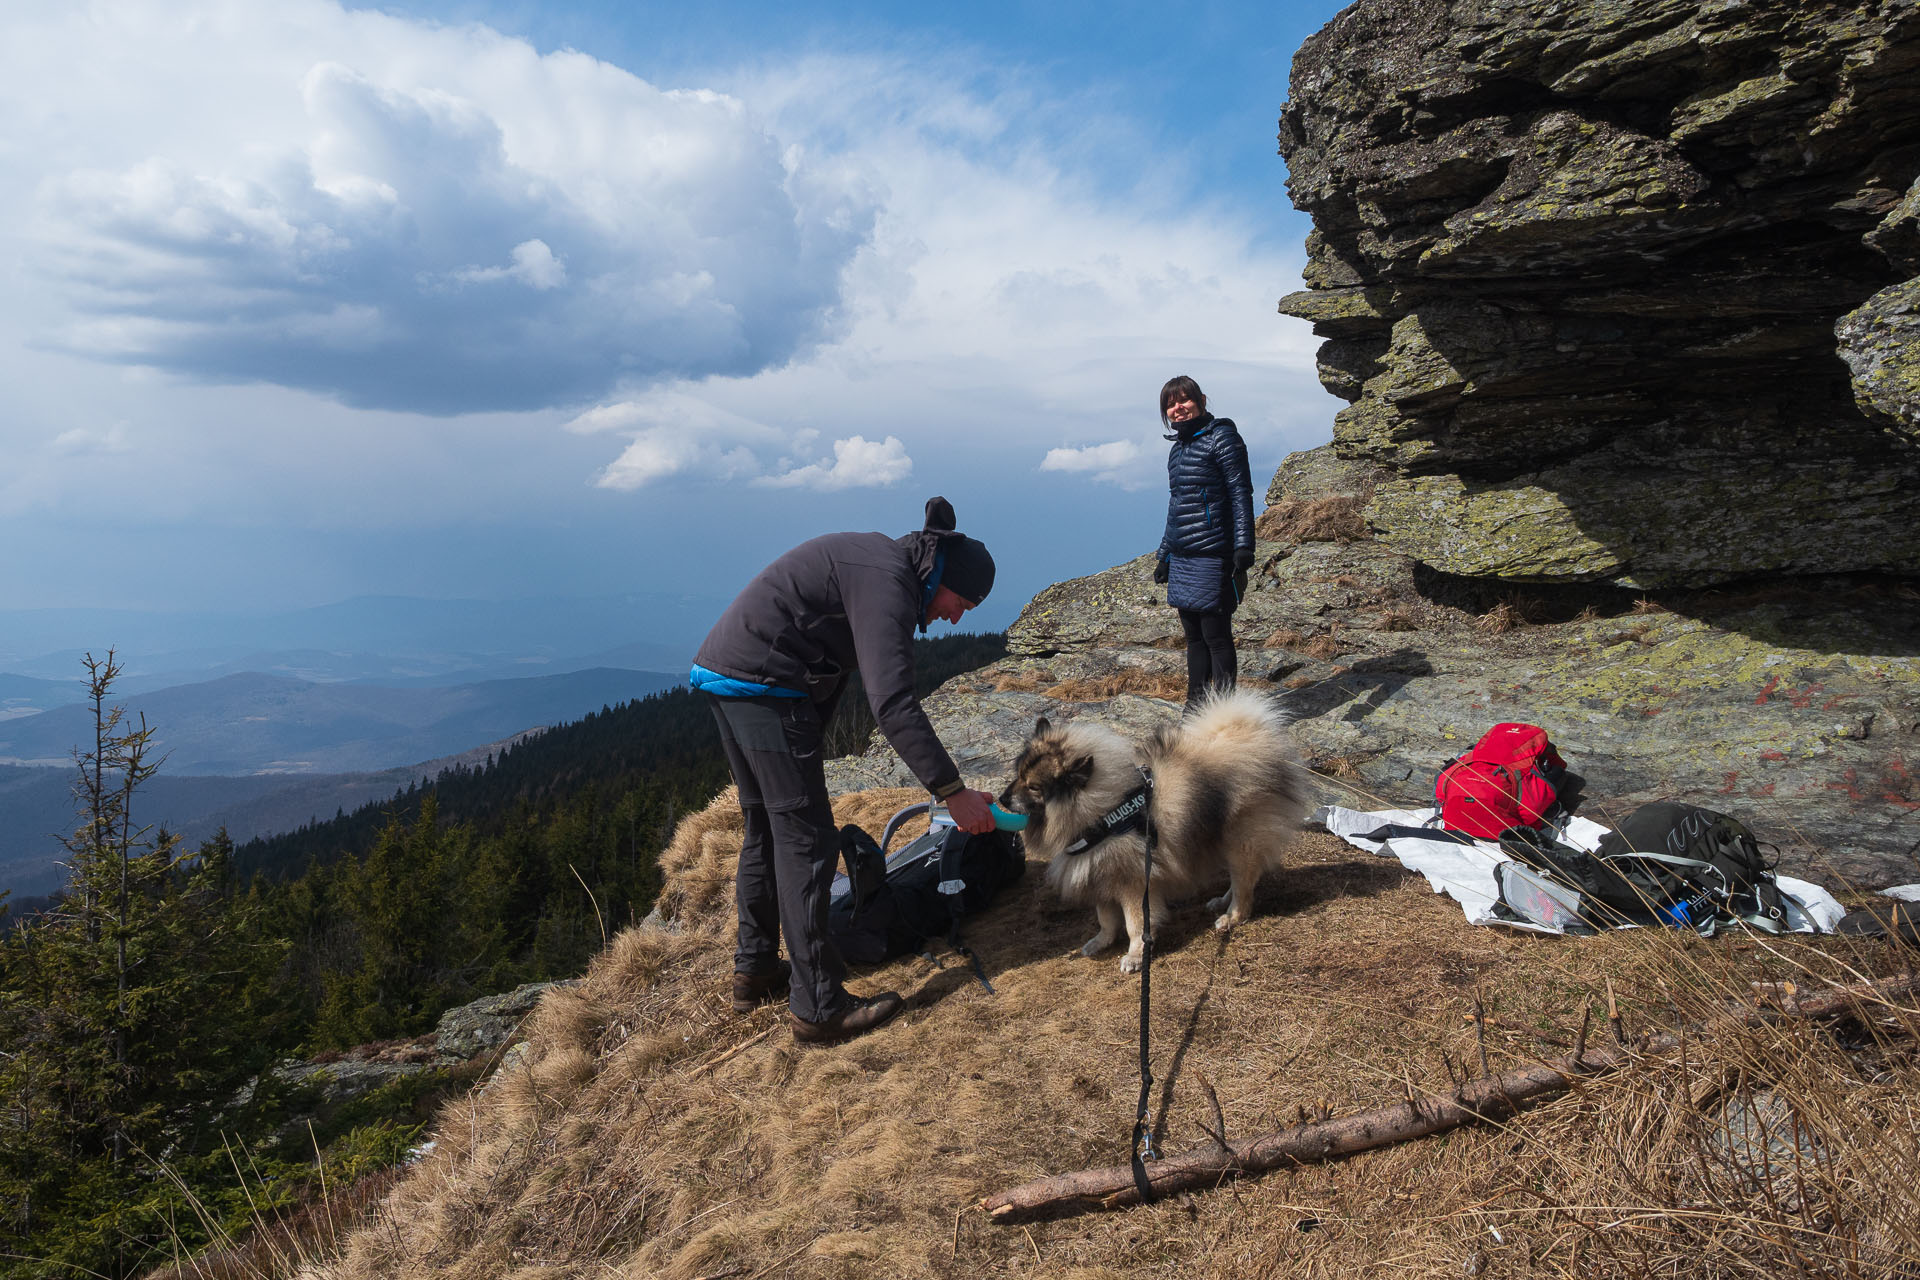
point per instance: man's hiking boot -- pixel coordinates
(854, 1017)
(751, 990)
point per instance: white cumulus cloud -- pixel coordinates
(84, 440)
(673, 433)
(352, 235)
(858, 463)
(1008, 300)
(533, 265)
(283, 241)
(1114, 462)
(661, 452)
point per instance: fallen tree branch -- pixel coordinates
(740, 1048)
(1490, 1098)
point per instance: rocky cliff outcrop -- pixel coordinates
(1620, 292)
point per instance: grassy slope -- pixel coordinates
(632, 1145)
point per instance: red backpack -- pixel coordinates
(1507, 780)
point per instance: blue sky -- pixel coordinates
(496, 299)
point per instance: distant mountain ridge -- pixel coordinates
(252, 723)
(282, 820)
(29, 695)
(36, 807)
(380, 636)
(260, 754)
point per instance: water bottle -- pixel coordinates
(1679, 915)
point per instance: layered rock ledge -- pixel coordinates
(1620, 292)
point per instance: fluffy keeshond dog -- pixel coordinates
(1227, 798)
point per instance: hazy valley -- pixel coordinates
(271, 721)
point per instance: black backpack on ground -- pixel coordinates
(1673, 854)
(1668, 863)
(888, 905)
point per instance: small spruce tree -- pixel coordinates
(123, 1013)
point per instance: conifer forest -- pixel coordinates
(141, 1009)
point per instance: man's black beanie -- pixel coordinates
(969, 571)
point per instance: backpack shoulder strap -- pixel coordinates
(1693, 864)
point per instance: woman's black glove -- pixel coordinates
(1160, 571)
(1242, 559)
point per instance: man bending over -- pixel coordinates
(774, 667)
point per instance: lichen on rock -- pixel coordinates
(1881, 344)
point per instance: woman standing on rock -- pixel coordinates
(1208, 546)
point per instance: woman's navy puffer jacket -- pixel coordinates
(1209, 491)
(1209, 514)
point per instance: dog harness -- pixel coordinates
(1129, 815)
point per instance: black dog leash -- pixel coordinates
(1142, 1145)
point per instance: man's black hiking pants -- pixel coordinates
(791, 847)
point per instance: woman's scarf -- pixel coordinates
(1185, 431)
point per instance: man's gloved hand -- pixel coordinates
(970, 812)
(1160, 571)
(1242, 559)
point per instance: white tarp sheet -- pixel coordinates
(1464, 872)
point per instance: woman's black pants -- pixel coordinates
(1211, 663)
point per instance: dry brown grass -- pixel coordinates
(1641, 633)
(1022, 681)
(289, 1239)
(1336, 519)
(634, 1146)
(1397, 620)
(1146, 684)
(1643, 606)
(1345, 768)
(1324, 646)
(1498, 620)
(1513, 610)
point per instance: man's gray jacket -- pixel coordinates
(833, 605)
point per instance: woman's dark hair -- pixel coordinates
(1178, 389)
